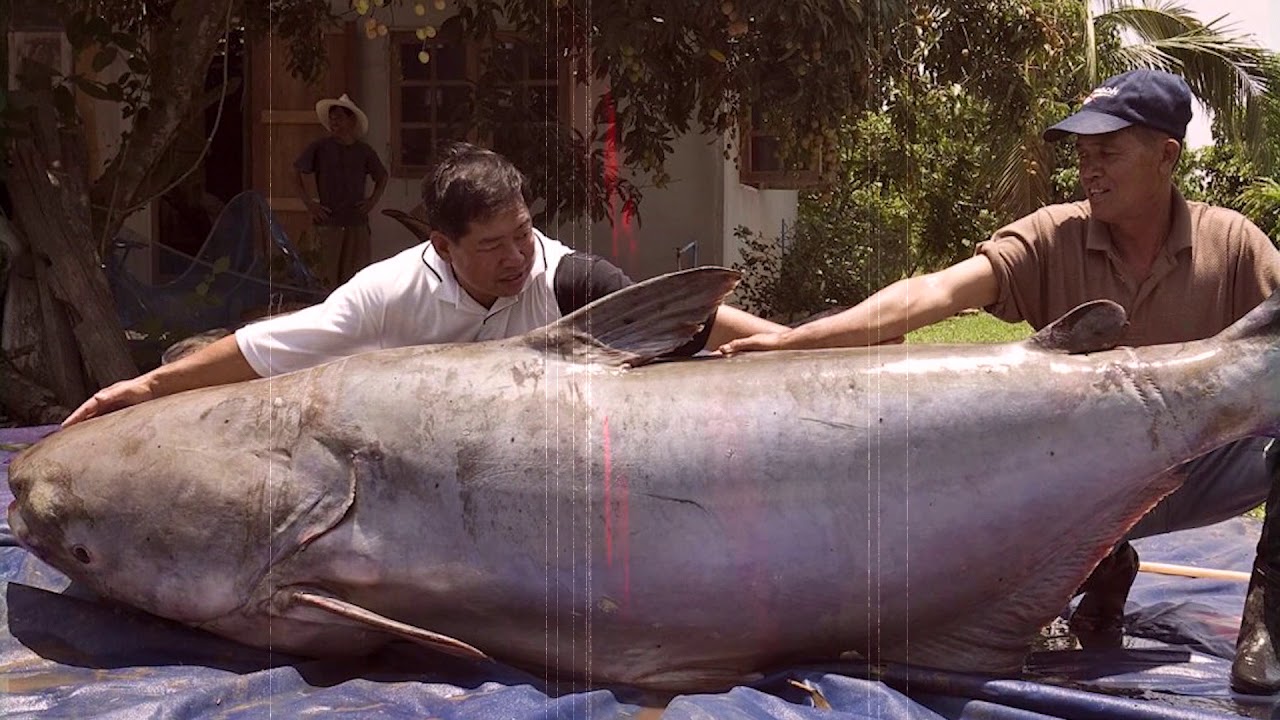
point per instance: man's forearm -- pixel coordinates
(379, 186)
(220, 363)
(889, 314)
(904, 306)
(300, 187)
(732, 323)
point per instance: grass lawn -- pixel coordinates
(979, 327)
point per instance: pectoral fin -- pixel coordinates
(354, 613)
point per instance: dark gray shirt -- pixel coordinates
(340, 172)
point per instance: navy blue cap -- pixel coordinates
(1153, 98)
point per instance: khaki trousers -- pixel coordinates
(343, 251)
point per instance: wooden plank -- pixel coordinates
(284, 107)
(288, 117)
(286, 204)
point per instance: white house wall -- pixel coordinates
(703, 202)
(688, 210)
(763, 211)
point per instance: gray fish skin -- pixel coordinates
(688, 525)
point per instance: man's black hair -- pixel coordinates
(468, 184)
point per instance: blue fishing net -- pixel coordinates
(245, 269)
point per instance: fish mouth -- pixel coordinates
(17, 526)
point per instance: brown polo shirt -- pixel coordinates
(1215, 266)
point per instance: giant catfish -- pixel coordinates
(561, 500)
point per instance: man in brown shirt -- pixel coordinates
(1182, 271)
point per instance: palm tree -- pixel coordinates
(1261, 202)
(1224, 69)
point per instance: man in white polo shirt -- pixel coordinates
(486, 274)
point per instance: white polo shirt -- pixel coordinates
(408, 299)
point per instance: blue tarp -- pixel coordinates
(64, 654)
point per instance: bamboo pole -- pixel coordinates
(1192, 572)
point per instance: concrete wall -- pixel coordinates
(763, 211)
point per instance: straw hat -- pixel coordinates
(322, 112)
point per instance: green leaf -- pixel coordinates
(138, 64)
(92, 88)
(99, 29)
(222, 264)
(64, 101)
(75, 31)
(104, 58)
(128, 43)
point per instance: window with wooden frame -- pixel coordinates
(430, 101)
(425, 99)
(761, 166)
(532, 93)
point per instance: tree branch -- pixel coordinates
(179, 55)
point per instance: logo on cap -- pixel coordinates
(1101, 92)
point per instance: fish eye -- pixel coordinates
(80, 553)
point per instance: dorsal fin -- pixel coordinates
(641, 322)
(418, 227)
(1092, 327)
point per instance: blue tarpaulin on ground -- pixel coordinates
(64, 654)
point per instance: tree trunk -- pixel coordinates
(26, 401)
(36, 337)
(51, 206)
(20, 329)
(180, 62)
(65, 368)
(22, 336)
(24, 393)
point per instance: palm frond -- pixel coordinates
(1261, 202)
(1021, 176)
(1223, 68)
(1090, 46)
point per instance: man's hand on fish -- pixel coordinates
(218, 363)
(120, 395)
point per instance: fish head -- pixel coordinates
(157, 543)
(168, 516)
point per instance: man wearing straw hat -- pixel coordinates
(340, 162)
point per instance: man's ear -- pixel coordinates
(1170, 151)
(441, 243)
